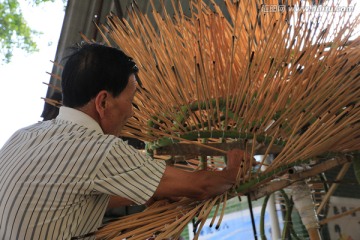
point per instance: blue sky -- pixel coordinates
(21, 81)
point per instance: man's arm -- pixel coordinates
(116, 201)
(199, 185)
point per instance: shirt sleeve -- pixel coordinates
(128, 173)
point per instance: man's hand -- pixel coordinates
(203, 184)
(238, 161)
(234, 158)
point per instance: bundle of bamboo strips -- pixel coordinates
(253, 75)
(252, 72)
(284, 77)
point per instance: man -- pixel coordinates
(58, 177)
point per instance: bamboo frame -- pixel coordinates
(189, 149)
(163, 122)
(271, 113)
(288, 179)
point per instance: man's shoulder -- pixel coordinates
(59, 131)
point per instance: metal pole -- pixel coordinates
(271, 208)
(275, 226)
(252, 217)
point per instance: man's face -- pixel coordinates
(121, 108)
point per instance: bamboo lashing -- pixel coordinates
(288, 80)
(303, 202)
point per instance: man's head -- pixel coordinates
(100, 81)
(92, 68)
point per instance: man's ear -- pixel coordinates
(102, 102)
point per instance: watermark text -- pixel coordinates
(286, 8)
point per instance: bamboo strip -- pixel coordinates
(333, 187)
(329, 219)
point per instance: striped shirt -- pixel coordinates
(56, 177)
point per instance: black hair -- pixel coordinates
(92, 68)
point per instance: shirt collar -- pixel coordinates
(78, 117)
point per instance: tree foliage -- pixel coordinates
(14, 30)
